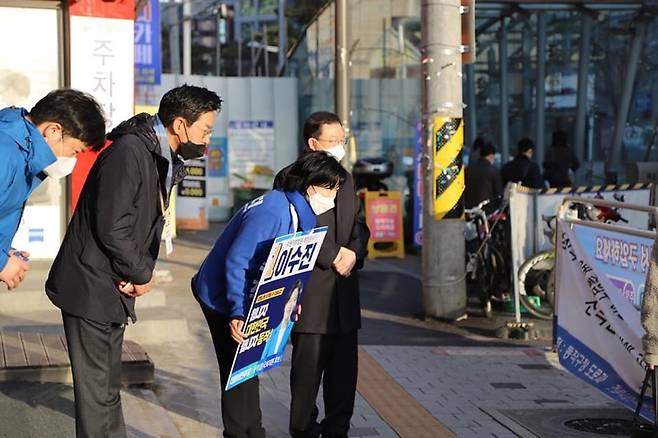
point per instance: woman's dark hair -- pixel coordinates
(188, 102)
(559, 138)
(79, 114)
(314, 169)
(524, 145)
(487, 149)
(314, 122)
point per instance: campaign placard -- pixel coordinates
(270, 318)
(599, 333)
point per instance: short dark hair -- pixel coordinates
(314, 169)
(524, 145)
(487, 149)
(314, 122)
(79, 114)
(188, 102)
(478, 143)
(559, 138)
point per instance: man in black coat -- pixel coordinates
(522, 169)
(482, 178)
(324, 338)
(109, 252)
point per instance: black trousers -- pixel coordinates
(95, 353)
(332, 359)
(241, 404)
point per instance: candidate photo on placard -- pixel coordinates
(277, 342)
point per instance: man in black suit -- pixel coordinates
(522, 169)
(112, 243)
(324, 338)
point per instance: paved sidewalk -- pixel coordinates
(457, 381)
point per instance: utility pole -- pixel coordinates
(174, 37)
(187, 37)
(443, 255)
(283, 37)
(342, 94)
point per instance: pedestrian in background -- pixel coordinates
(559, 161)
(522, 169)
(475, 150)
(36, 145)
(325, 338)
(482, 178)
(112, 243)
(226, 281)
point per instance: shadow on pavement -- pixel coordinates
(29, 409)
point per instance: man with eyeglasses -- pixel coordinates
(112, 243)
(325, 338)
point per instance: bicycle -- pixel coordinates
(486, 268)
(536, 275)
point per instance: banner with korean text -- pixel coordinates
(600, 278)
(270, 318)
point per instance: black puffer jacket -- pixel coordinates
(115, 232)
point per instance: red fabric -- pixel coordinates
(103, 8)
(85, 161)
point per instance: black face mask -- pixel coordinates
(189, 150)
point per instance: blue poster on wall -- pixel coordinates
(270, 318)
(217, 160)
(147, 45)
(418, 191)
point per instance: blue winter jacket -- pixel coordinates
(227, 276)
(24, 154)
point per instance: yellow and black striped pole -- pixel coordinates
(448, 187)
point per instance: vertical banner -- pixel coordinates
(418, 190)
(384, 219)
(448, 186)
(599, 334)
(251, 153)
(269, 321)
(219, 196)
(148, 66)
(191, 200)
(103, 65)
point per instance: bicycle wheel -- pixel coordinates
(536, 279)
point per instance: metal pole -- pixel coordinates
(283, 37)
(238, 34)
(187, 37)
(526, 76)
(583, 74)
(266, 55)
(174, 38)
(218, 48)
(403, 50)
(471, 111)
(541, 85)
(504, 91)
(443, 254)
(627, 92)
(342, 92)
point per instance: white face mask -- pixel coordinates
(338, 151)
(62, 167)
(320, 204)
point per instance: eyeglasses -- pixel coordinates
(343, 141)
(204, 132)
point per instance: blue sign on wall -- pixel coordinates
(217, 161)
(418, 191)
(147, 45)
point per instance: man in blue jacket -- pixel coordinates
(33, 146)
